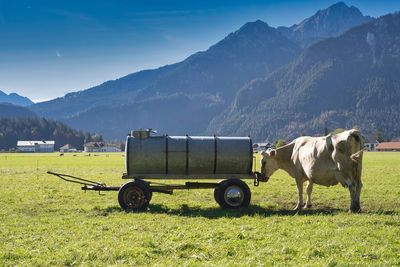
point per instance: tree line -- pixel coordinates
(15, 129)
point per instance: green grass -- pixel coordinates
(47, 222)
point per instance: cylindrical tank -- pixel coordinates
(187, 156)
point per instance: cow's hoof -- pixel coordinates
(355, 210)
(298, 207)
(309, 206)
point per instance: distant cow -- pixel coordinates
(326, 160)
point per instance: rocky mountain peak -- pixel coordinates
(329, 22)
(254, 29)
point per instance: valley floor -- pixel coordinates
(48, 222)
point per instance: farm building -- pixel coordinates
(371, 146)
(68, 148)
(35, 146)
(261, 146)
(101, 147)
(389, 146)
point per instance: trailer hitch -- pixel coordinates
(87, 184)
(259, 177)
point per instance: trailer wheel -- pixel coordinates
(232, 194)
(150, 197)
(134, 196)
(147, 185)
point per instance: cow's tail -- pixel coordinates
(357, 156)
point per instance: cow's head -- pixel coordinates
(269, 163)
(347, 154)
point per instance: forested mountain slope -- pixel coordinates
(351, 80)
(8, 110)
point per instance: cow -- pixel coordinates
(326, 160)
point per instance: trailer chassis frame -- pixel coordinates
(89, 185)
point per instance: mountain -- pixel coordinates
(329, 22)
(181, 97)
(110, 93)
(20, 123)
(350, 80)
(8, 110)
(15, 99)
(33, 128)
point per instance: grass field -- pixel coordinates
(48, 222)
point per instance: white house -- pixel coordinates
(68, 148)
(101, 147)
(35, 146)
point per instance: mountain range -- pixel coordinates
(8, 110)
(337, 68)
(351, 80)
(15, 99)
(181, 97)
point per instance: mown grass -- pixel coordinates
(48, 222)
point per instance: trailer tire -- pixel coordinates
(232, 194)
(150, 197)
(134, 196)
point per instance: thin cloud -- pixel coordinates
(159, 14)
(58, 54)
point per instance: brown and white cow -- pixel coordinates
(326, 160)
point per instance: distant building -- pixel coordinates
(261, 146)
(371, 146)
(35, 146)
(68, 148)
(101, 147)
(389, 146)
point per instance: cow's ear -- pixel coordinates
(271, 152)
(263, 153)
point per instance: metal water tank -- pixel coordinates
(177, 157)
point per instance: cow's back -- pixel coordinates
(313, 157)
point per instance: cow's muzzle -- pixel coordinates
(261, 177)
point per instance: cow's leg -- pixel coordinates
(355, 191)
(299, 183)
(309, 191)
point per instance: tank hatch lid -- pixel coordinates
(142, 134)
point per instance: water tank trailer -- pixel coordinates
(151, 157)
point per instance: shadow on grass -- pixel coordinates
(252, 210)
(381, 212)
(213, 213)
(216, 212)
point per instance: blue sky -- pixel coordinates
(51, 47)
